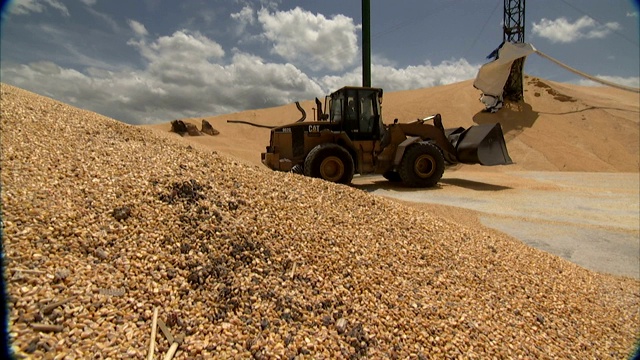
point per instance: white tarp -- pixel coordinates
(493, 75)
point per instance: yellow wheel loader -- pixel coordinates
(349, 137)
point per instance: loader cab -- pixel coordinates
(357, 109)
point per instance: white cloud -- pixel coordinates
(58, 5)
(106, 18)
(245, 16)
(184, 77)
(562, 30)
(187, 74)
(46, 68)
(74, 51)
(164, 90)
(138, 28)
(89, 2)
(182, 46)
(310, 40)
(632, 14)
(628, 81)
(411, 77)
(24, 7)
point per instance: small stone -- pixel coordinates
(61, 274)
(341, 325)
(121, 213)
(33, 346)
(101, 254)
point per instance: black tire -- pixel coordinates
(422, 165)
(297, 169)
(330, 162)
(392, 176)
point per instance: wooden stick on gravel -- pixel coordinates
(173, 341)
(165, 331)
(174, 347)
(46, 327)
(49, 308)
(28, 271)
(154, 328)
(293, 271)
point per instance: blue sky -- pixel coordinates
(150, 61)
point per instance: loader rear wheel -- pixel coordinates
(422, 165)
(330, 162)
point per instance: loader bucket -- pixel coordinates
(483, 144)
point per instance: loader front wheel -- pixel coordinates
(330, 162)
(422, 165)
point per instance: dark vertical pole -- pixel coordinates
(514, 32)
(366, 43)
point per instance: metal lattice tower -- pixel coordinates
(513, 20)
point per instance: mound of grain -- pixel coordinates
(112, 221)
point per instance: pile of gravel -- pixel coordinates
(105, 222)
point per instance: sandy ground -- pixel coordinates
(590, 219)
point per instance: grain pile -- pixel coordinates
(104, 222)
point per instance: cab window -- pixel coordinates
(336, 110)
(367, 113)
